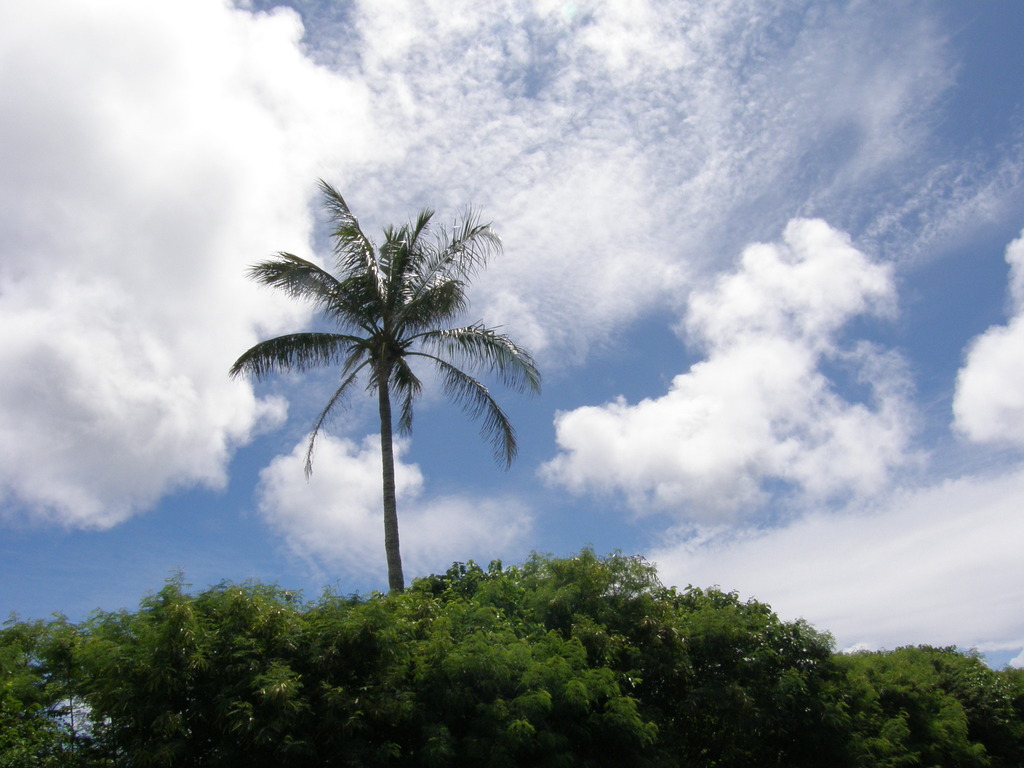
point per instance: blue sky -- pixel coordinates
(768, 256)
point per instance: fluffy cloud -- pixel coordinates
(761, 407)
(937, 565)
(151, 152)
(989, 401)
(334, 517)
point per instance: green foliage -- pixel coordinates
(724, 682)
(199, 680)
(583, 661)
(760, 691)
(932, 706)
(43, 721)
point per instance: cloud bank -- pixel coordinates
(989, 403)
(763, 406)
(151, 152)
(938, 565)
(624, 152)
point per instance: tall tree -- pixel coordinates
(393, 304)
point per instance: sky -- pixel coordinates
(769, 257)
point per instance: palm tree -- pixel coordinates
(392, 305)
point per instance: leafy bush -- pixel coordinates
(581, 661)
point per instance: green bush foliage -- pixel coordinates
(580, 661)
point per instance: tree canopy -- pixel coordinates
(586, 661)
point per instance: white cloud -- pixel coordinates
(989, 402)
(335, 517)
(805, 290)
(622, 148)
(761, 406)
(151, 152)
(939, 565)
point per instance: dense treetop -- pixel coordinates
(586, 661)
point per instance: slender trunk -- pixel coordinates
(396, 580)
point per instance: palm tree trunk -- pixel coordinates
(396, 579)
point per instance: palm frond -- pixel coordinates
(478, 346)
(405, 245)
(434, 307)
(467, 245)
(408, 387)
(356, 303)
(353, 250)
(401, 257)
(394, 259)
(296, 276)
(459, 251)
(476, 401)
(338, 395)
(420, 227)
(295, 351)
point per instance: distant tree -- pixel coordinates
(43, 718)
(755, 690)
(726, 682)
(30, 735)
(200, 680)
(931, 707)
(394, 304)
(988, 698)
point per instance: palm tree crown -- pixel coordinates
(393, 304)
